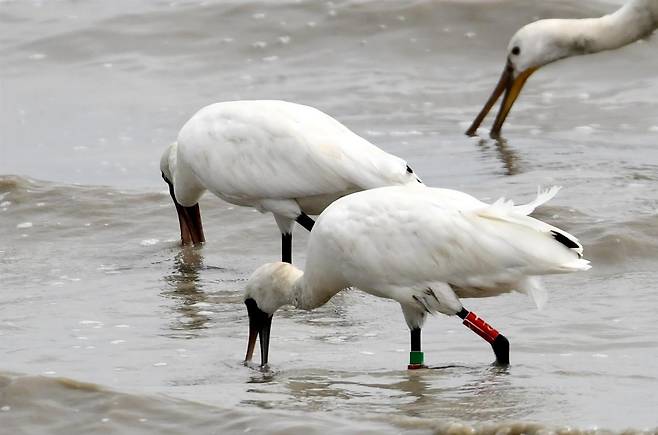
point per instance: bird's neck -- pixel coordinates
(274, 285)
(634, 20)
(306, 294)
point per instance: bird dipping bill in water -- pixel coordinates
(285, 158)
(546, 41)
(422, 247)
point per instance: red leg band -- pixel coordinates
(480, 327)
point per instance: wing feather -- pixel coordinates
(275, 149)
(404, 236)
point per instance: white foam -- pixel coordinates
(584, 129)
(149, 242)
(24, 225)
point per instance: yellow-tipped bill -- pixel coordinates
(512, 87)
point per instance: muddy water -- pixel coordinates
(107, 325)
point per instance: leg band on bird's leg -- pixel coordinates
(480, 327)
(498, 342)
(416, 356)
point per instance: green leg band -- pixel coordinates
(416, 357)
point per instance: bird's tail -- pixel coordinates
(543, 196)
(518, 214)
(507, 206)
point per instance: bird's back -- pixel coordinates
(410, 236)
(276, 149)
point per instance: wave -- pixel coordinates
(230, 30)
(610, 243)
(57, 405)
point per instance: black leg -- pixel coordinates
(416, 356)
(286, 248)
(304, 220)
(498, 342)
(415, 339)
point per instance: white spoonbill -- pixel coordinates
(422, 247)
(285, 158)
(546, 41)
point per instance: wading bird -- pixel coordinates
(546, 41)
(288, 159)
(422, 247)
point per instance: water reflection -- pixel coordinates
(184, 286)
(455, 392)
(507, 156)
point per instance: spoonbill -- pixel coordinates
(545, 41)
(285, 158)
(422, 247)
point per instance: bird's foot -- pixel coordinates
(416, 366)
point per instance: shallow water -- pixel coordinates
(94, 287)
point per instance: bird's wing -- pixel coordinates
(405, 236)
(274, 149)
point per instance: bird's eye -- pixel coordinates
(409, 170)
(516, 50)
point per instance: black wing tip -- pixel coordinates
(411, 171)
(566, 241)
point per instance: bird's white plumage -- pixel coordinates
(423, 247)
(276, 156)
(406, 236)
(545, 41)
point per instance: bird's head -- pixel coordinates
(531, 47)
(168, 162)
(270, 287)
